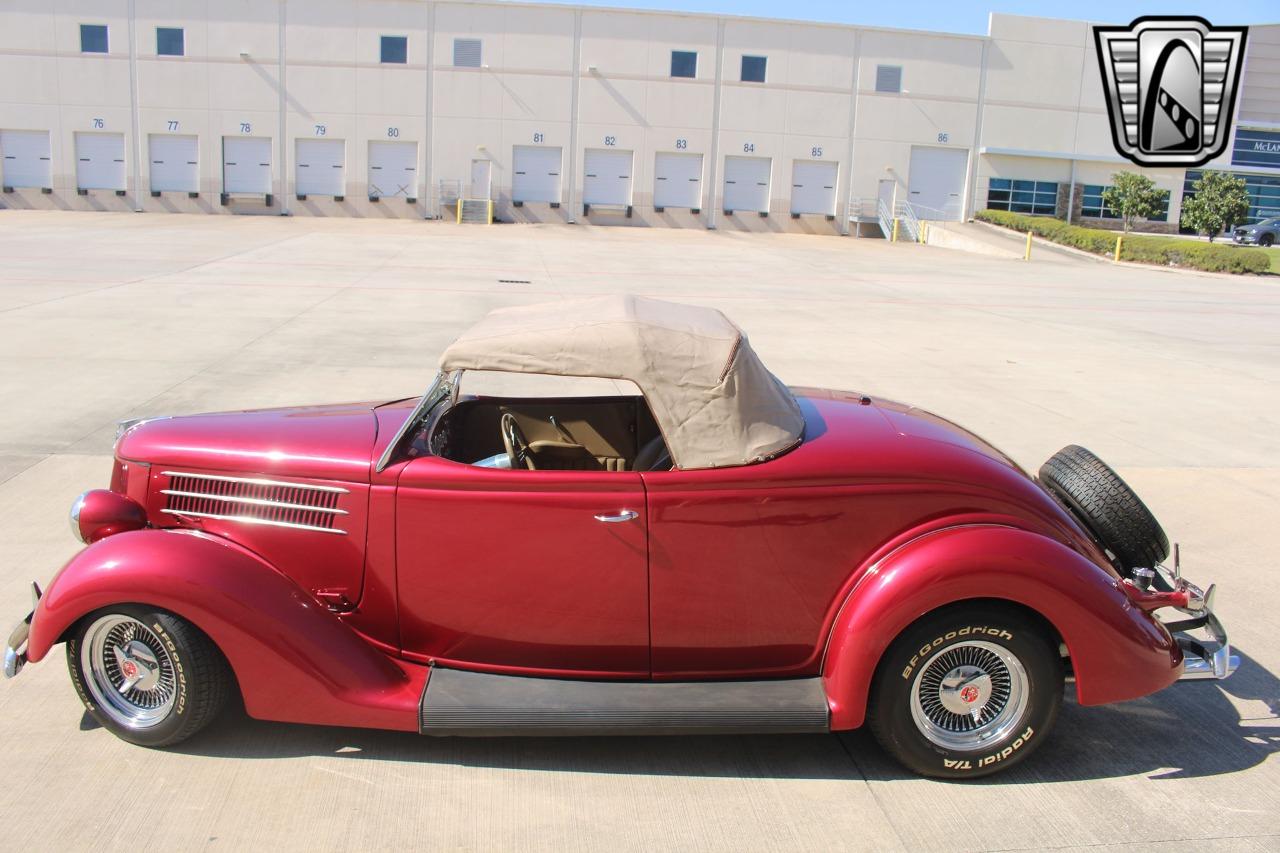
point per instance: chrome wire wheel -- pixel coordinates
(969, 694)
(128, 671)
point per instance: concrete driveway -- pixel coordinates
(1173, 378)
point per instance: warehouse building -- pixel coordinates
(400, 108)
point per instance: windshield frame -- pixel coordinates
(444, 386)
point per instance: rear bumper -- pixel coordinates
(1203, 658)
(15, 650)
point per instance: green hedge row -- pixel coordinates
(1165, 251)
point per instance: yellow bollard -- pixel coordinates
(1026, 256)
(894, 239)
(459, 211)
(924, 232)
(1119, 243)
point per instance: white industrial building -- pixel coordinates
(397, 108)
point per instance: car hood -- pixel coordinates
(331, 442)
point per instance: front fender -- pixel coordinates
(294, 660)
(1117, 651)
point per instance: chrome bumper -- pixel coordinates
(15, 651)
(1202, 657)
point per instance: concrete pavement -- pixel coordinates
(1172, 378)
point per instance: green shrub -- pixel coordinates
(1144, 249)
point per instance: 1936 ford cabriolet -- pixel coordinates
(720, 553)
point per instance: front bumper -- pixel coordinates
(15, 650)
(1245, 239)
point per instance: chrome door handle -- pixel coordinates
(624, 515)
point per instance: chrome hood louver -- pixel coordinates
(254, 501)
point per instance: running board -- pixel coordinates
(457, 702)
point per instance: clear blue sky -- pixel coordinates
(957, 17)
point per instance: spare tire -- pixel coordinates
(1107, 507)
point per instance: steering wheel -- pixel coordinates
(516, 444)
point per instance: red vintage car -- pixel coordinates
(719, 553)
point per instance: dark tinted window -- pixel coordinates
(753, 69)
(93, 38)
(1018, 196)
(169, 41)
(684, 63)
(395, 49)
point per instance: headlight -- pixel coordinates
(99, 513)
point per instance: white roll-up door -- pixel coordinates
(174, 163)
(535, 173)
(393, 169)
(246, 165)
(746, 183)
(935, 184)
(100, 161)
(677, 180)
(606, 176)
(24, 158)
(321, 167)
(813, 187)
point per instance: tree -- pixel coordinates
(1134, 197)
(1219, 200)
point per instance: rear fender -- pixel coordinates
(294, 660)
(1117, 651)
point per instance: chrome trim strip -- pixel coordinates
(256, 481)
(248, 519)
(253, 501)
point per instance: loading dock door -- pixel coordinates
(100, 161)
(606, 177)
(246, 165)
(24, 158)
(321, 167)
(746, 183)
(175, 163)
(677, 180)
(393, 169)
(535, 174)
(813, 187)
(935, 184)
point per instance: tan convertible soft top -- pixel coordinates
(714, 401)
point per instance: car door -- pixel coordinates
(543, 572)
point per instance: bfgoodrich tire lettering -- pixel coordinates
(990, 662)
(176, 679)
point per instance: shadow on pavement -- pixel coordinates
(1191, 729)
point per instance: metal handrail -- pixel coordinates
(886, 218)
(909, 220)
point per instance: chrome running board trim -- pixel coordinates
(458, 702)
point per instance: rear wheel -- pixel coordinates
(149, 677)
(966, 691)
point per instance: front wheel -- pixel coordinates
(966, 692)
(146, 675)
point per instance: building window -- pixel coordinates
(684, 63)
(888, 78)
(753, 69)
(395, 49)
(170, 41)
(466, 53)
(1091, 205)
(1039, 198)
(1263, 190)
(93, 38)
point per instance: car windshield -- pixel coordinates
(441, 389)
